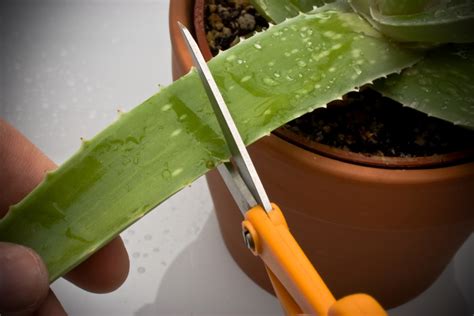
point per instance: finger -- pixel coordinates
(22, 166)
(50, 307)
(104, 271)
(23, 279)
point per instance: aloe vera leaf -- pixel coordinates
(173, 138)
(276, 11)
(439, 22)
(397, 7)
(441, 85)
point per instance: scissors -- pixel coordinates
(297, 284)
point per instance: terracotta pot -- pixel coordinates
(386, 232)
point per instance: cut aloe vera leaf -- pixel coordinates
(276, 11)
(173, 138)
(441, 85)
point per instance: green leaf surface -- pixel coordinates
(441, 85)
(402, 7)
(173, 138)
(420, 21)
(277, 11)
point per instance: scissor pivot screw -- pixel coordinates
(248, 240)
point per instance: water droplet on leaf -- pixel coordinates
(269, 81)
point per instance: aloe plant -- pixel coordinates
(420, 20)
(277, 11)
(173, 138)
(441, 83)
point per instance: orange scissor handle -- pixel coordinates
(299, 287)
(356, 305)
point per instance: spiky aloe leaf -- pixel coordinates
(173, 138)
(441, 85)
(421, 20)
(277, 11)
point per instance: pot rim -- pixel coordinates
(181, 58)
(433, 161)
(348, 171)
(387, 163)
(199, 30)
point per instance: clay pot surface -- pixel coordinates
(385, 232)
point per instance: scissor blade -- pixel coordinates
(237, 187)
(229, 129)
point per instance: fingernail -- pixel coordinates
(23, 278)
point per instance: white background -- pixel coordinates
(66, 68)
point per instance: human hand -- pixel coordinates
(24, 284)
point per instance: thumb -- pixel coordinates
(23, 279)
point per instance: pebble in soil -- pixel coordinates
(228, 20)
